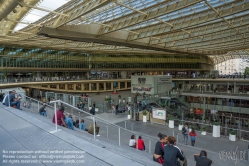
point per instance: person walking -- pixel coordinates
(185, 132)
(82, 105)
(92, 111)
(116, 108)
(192, 135)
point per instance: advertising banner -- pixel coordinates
(142, 84)
(159, 114)
(151, 84)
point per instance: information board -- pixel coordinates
(159, 113)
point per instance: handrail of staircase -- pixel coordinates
(103, 120)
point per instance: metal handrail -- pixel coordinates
(37, 101)
(103, 120)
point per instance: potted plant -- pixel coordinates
(180, 126)
(232, 135)
(171, 121)
(129, 115)
(123, 100)
(144, 115)
(96, 109)
(203, 130)
(216, 129)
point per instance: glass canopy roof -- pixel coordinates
(218, 28)
(35, 14)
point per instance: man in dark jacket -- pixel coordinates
(171, 153)
(92, 111)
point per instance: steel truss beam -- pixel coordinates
(231, 45)
(138, 18)
(199, 33)
(80, 10)
(77, 33)
(211, 39)
(189, 21)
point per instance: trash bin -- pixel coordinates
(137, 116)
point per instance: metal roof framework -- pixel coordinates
(218, 28)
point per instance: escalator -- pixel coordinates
(175, 105)
(169, 111)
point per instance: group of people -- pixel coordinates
(67, 121)
(84, 96)
(117, 109)
(186, 133)
(168, 153)
(139, 144)
(142, 105)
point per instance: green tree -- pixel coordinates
(5, 73)
(33, 74)
(246, 71)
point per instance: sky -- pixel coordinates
(35, 14)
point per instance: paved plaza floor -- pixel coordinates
(215, 146)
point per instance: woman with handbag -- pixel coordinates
(159, 148)
(192, 135)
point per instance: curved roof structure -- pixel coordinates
(218, 28)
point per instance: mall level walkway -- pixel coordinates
(23, 133)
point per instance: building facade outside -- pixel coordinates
(232, 66)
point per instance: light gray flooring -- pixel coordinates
(20, 131)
